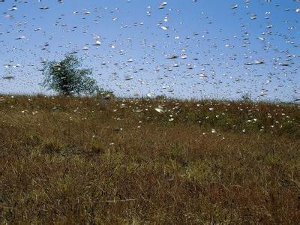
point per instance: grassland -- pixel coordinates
(145, 161)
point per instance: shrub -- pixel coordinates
(67, 78)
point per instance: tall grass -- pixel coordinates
(84, 160)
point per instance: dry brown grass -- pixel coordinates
(82, 160)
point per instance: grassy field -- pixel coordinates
(145, 161)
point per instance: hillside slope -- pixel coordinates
(86, 160)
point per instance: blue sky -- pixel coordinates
(215, 41)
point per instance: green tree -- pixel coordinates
(68, 78)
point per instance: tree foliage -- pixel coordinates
(68, 78)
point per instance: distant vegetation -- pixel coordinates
(78, 160)
(67, 78)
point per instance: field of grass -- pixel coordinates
(145, 161)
